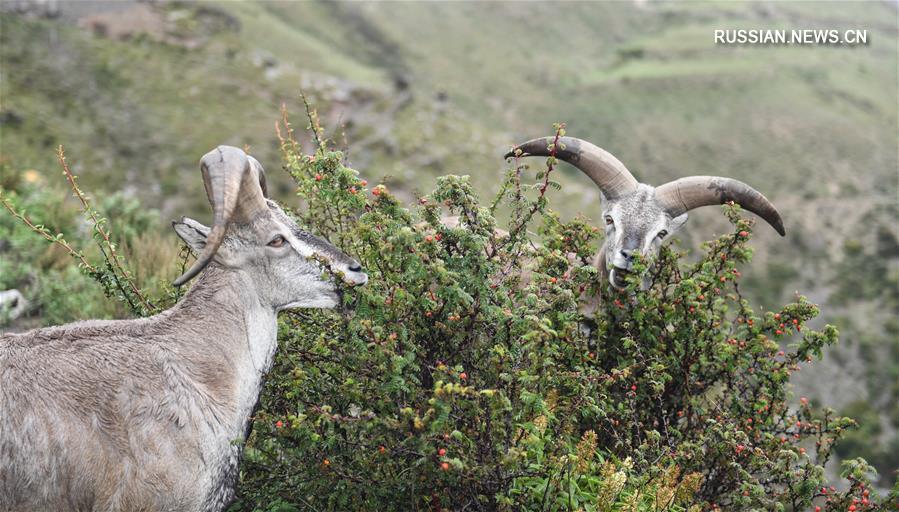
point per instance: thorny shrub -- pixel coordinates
(467, 379)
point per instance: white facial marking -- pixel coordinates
(302, 248)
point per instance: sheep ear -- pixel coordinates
(677, 223)
(192, 232)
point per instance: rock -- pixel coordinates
(12, 305)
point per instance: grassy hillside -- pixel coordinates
(138, 92)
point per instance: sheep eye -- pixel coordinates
(609, 220)
(662, 234)
(278, 241)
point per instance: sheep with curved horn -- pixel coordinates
(143, 414)
(639, 217)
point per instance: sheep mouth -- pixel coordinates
(617, 277)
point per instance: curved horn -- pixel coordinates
(236, 188)
(680, 196)
(609, 174)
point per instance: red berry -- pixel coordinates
(817, 509)
(382, 449)
(318, 177)
(363, 183)
(376, 192)
(279, 424)
(851, 508)
(326, 462)
(441, 452)
(444, 466)
(437, 237)
(463, 375)
(744, 234)
(429, 238)
(552, 279)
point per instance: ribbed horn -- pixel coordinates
(680, 196)
(609, 174)
(236, 188)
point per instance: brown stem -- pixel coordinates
(112, 258)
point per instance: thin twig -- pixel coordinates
(112, 258)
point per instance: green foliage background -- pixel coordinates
(813, 127)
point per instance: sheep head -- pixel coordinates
(638, 217)
(253, 236)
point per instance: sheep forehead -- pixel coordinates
(639, 212)
(246, 235)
